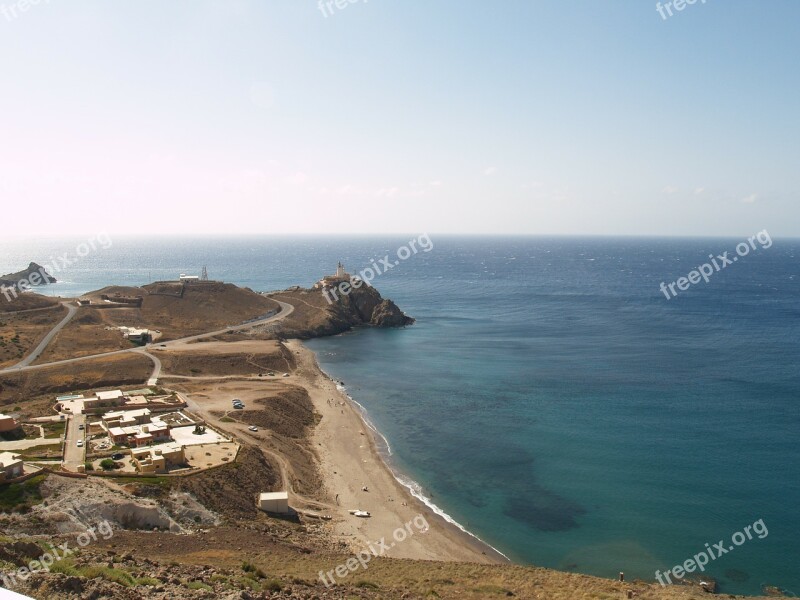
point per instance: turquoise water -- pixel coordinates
(549, 397)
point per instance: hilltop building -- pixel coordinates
(330, 281)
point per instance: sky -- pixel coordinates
(389, 116)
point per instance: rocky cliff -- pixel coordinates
(317, 314)
(367, 307)
(40, 276)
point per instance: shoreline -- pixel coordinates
(410, 484)
(347, 465)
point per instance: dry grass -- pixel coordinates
(232, 490)
(86, 334)
(26, 302)
(227, 359)
(392, 578)
(19, 333)
(109, 371)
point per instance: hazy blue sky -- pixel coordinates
(560, 117)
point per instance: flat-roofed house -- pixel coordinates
(159, 432)
(110, 395)
(158, 459)
(137, 436)
(126, 418)
(104, 400)
(139, 336)
(11, 466)
(118, 435)
(140, 439)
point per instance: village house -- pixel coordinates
(11, 466)
(158, 459)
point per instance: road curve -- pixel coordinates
(286, 310)
(71, 311)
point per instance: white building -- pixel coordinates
(333, 280)
(158, 459)
(126, 418)
(137, 336)
(108, 396)
(274, 502)
(11, 466)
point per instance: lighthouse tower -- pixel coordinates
(340, 272)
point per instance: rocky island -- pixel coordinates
(34, 275)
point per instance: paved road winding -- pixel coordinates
(286, 310)
(71, 311)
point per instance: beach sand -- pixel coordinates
(349, 461)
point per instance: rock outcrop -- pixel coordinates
(367, 307)
(34, 275)
(319, 314)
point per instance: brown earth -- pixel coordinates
(173, 309)
(26, 302)
(232, 490)
(282, 412)
(20, 332)
(236, 358)
(110, 371)
(201, 307)
(86, 334)
(246, 563)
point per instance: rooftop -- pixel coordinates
(275, 496)
(139, 412)
(9, 458)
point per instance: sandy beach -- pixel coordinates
(350, 461)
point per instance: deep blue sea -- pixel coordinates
(549, 397)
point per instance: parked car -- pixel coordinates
(253, 428)
(81, 427)
(117, 456)
(80, 443)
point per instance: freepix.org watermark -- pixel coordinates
(702, 558)
(718, 262)
(57, 264)
(344, 285)
(665, 10)
(361, 560)
(48, 559)
(16, 9)
(329, 7)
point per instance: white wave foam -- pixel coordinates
(412, 486)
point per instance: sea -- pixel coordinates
(550, 398)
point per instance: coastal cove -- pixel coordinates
(548, 398)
